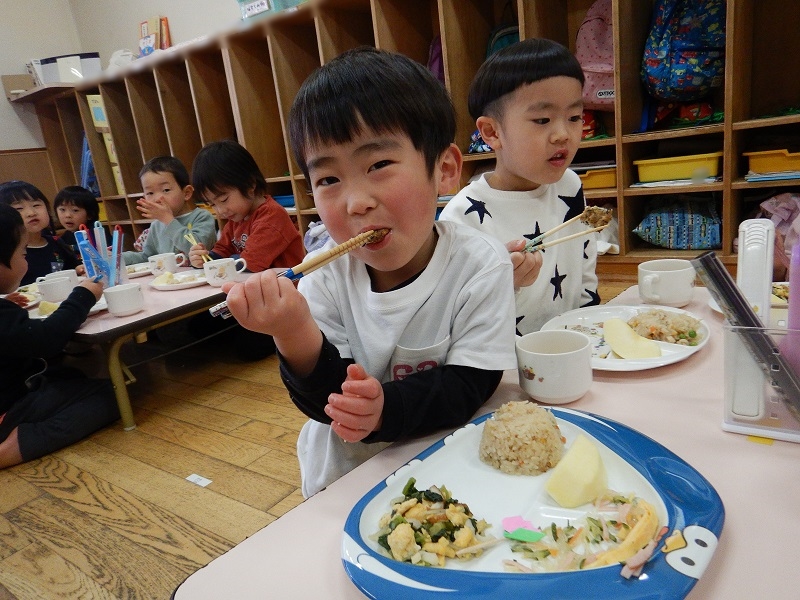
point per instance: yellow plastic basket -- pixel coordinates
(679, 167)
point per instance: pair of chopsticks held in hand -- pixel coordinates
(315, 262)
(595, 217)
(193, 241)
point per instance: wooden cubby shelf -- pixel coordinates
(240, 84)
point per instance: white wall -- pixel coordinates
(31, 29)
(41, 28)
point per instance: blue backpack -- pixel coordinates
(684, 55)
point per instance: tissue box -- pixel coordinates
(753, 405)
(70, 67)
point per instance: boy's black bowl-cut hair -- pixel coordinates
(377, 90)
(11, 229)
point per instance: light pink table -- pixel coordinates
(680, 406)
(160, 308)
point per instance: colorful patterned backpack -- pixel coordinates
(594, 49)
(684, 55)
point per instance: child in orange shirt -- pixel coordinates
(259, 229)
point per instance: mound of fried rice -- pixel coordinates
(521, 438)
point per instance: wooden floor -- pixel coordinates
(114, 516)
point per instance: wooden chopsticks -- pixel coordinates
(314, 263)
(193, 241)
(604, 214)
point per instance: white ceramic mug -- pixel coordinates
(668, 281)
(70, 274)
(223, 269)
(125, 299)
(55, 289)
(555, 367)
(161, 263)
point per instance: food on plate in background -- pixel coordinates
(171, 279)
(521, 438)
(664, 326)
(626, 343)
(138, 268)
(579, 477)
(428, 527)
(47, 308)
(780, 293)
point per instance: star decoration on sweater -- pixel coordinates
(556, 281)
(585, 245)
(517, 323)
(575, 204)
(595, 298)
(477, 207)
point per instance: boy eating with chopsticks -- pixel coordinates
(402, 336)
(168, 201)
(526, 102)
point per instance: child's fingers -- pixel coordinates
(347, 434)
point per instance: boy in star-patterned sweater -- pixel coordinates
(526, 101)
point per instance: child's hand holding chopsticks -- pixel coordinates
(526, 264)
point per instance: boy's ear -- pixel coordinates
(488, 127)
(450, 163)
(188, 192)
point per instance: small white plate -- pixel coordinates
(166, 287)
(140, 273)
(590, 321)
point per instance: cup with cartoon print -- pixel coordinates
(223, 269)
(166, 262)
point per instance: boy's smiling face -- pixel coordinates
(379, 180)
(537, 135)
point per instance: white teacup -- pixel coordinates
(55, 289)
(70, 274)
(161, 263)
(223, 269)
(668, 281)
(555, 367)
(125, 299)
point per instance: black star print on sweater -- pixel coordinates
(536, 233)
(556, 281)
(595, 298)
(478, 207)
(575, 204)
(518, 320)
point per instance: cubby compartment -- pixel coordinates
(147, 116)
(102, 165)
(180, 119)
(343, 25)
(255, 101)
(122, 134)
(210, 94)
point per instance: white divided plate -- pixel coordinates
(683, 499)
(179, 286)
(99, 305)
(140, 273)
(590, 321)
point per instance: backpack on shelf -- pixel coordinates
(684, 55)
(436, 58)
(506, 33)
(594, 49)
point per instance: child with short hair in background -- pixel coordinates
(42, 407)
(75, 206)
(258, 229)
(526, 100)
(169, 201)
(45, 253)
(403, 336)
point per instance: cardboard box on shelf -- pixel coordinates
(98, 111)
(68, 68)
